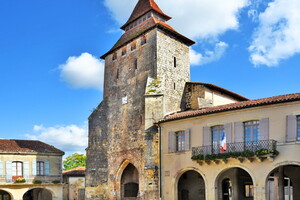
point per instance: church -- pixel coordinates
(156, 135)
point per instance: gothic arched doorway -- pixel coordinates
(4, 195)
(235, 183)
(130, 183)
(37, 194)
(284, 183)
(191, 186)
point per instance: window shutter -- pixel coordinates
(207, 140)
(171, 144)
(187, 140)
(8, 171)
(26, 171)
(33, 168)
(47, 168)
(238, 132)
(1, 168)
(264, 129)
(228, 132)
(291, 128)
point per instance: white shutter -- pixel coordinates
(187, 140)
(8, 167)
(291, 128)
(47, 168)
(264, 129)
(228, 132)
(26, 171)
(238, 132)
(33, 168)
(1, 168)
(171, 143)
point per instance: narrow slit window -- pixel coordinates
(144, 40)
(117, 74)
(175, 62)
(174, 86)
(135, 64)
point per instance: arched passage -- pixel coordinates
(283, 183)
(4, 195)
(130, 183)
(235, 183)
(191, 186)
(37, 194)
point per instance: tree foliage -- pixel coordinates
(73, 161)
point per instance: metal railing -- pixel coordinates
(235, 147)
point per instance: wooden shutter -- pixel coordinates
(8, 171)
(26, 171)
(33, 168)
(264, 129)
(1, 168)
(187, 140)
(47, 168)
(291, 128)
(228, 132)
(207, 140)
(238, 132)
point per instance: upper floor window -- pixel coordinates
(124, 51)
(298, 127)
(144, 40)
(40, 168)
(218, 139)
(133, 46)
(175, 60)
(135, 63)
(114, 56)
(251, 131)
(17, 168)
(180, 140)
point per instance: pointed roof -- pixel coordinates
(141, 8)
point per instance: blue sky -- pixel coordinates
(51, 74)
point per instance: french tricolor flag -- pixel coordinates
(223, 143)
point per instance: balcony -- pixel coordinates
(258, 150)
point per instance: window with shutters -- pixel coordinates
(180, 140)
(217, 136)
(17, 168)
(40, 168)
(298, 127)
(251, 135)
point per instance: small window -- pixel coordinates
(133, 46)
(40, 168)
(174, 86)
(117, 74)
(144, 40)
(131, 190)
(175, 64)
(180, 140)
(135, 64)
(218, 139)
(298, 127)
(114, 56)
(249, 191)
(17, 168)
(124, 51)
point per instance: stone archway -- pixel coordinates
(5, 195)
(191, 186)
(37, 194)
(130, 183)
(283, 183)
(235, 183)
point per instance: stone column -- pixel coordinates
(281, 183)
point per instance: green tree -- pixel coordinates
(73, 161)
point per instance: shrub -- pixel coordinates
(56, 181)
(20, 180)
(36, 181)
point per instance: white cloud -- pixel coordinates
(193, 18)
(84, 71)
(208, 56)
(277, 37)
(71, 138)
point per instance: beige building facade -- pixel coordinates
(30, 170)
(259, 159)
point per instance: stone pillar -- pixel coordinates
(281, 183)
(276, 177)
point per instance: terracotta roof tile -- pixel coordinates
(141, 29)
(30, 146)
(232, 106)
(76, 171)
(141, 8)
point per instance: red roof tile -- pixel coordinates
(220, 89)
(30, 146)
(141, 8)
(75, 172)
(232, 106)
(141, 29)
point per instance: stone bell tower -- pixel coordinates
(145, 74)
